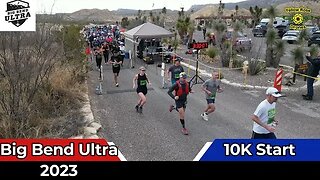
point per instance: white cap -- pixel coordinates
(273, 91)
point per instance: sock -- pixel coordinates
(182, 122)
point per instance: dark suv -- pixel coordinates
(314, 39)
(259, 30)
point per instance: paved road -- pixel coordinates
(156, 134)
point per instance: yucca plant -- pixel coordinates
(314, 49)
(270, 41)
(297, 54)
(279, 48)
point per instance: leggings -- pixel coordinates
(98, 61)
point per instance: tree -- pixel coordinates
(124, 22)
(220, 35)
(271, 12)
(256, 13)
(26, 62)
(237, 9)
(237, 27)
(164, 12)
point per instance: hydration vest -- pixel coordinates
(180, 92)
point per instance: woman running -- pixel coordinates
(141, 80)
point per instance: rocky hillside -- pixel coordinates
(212, 10)
(93, 15)
(244, 4)
(314, 6)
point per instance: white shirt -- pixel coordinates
(266, 113)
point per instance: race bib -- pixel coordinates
(271, 115)
(143, 82)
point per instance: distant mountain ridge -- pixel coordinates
(244, 4)
(99, 15)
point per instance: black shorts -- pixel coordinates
(210, 101)
(116, 70)
(142, 90)
(181, 104)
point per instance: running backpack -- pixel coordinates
(180, 92)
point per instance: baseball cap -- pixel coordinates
(273, 91)
(183, 75)
(142, 68)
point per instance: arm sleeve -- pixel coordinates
(171, 89)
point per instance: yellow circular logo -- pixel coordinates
(297, 19)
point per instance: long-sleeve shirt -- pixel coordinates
(314, 69)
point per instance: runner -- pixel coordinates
(182, 89)
(211, 87)
(141, 80)
(175, 70)
(106, 50)
(98, 54)
(116, 61)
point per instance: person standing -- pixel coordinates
(211, 87)
(264, 116)
(175, 71)
(182, 89)
(313, 71)
(141, 80)
(204, 32)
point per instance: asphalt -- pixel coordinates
(156, 134)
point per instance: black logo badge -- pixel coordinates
(17, 12)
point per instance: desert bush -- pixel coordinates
(238, 62)
(41, 81)
(212, 52)
(256, 67)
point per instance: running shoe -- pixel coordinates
(137, 108)
(140, 109)
(117, 84)
(204, 116)
(171, 108)
(185, 131)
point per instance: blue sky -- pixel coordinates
(68, 6)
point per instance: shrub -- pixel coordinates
(256, 67)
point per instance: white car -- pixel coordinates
(291, 36)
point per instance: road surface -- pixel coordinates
(156, 134)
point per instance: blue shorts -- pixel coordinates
(210, 101)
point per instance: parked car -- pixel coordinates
(259, 30)
(282, 29)
(291, 36)
(242, 43)
(314, 39)
(311, 29)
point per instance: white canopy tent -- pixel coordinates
(145, 31)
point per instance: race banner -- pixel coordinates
(260, 150)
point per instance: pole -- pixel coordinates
(294, 74)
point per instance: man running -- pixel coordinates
(175, 70)
(211, 87)
(116, 61)
(182, 89)
(141, 80)
(264, 116)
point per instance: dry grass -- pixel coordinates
(55, 111)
